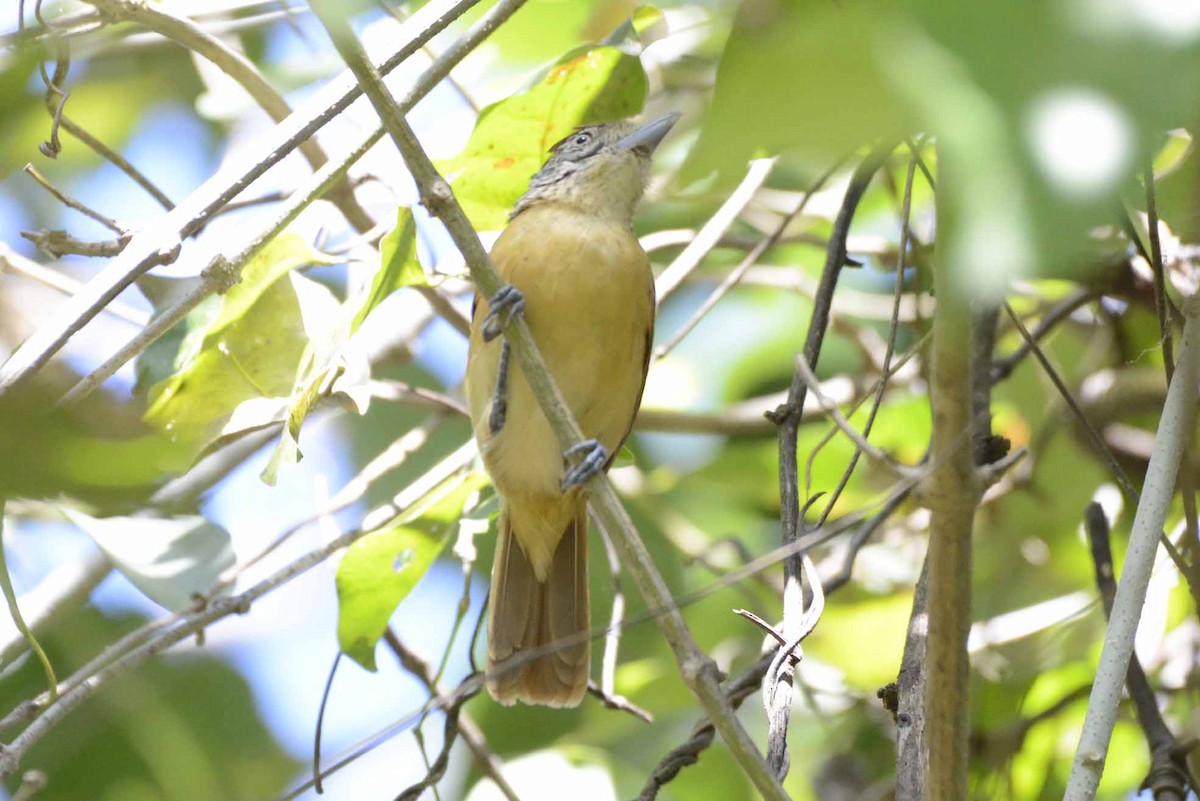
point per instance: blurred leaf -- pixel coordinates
(381, 569)
(329, 365)
(512, 138)
(109, 105)
(248, 346)
(1040, 118)
(544, 29)
(169, 560)
(63, 452)
(1173, 152)
(173, 730)
(399, 266)
(644, 27)
(288, 449)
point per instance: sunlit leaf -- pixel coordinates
(381, 569)
(169, 560)
(1173, 152)
(512, 138)
(248, 346)
(398, 267)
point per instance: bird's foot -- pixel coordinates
(500, 398)
(502, 307)
(592, 458)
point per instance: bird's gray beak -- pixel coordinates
(650, 134)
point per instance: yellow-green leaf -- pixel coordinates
(381, 569)
(512, 138)
(398, 264)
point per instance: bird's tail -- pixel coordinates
(525, 614)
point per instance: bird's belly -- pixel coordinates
(589, 306)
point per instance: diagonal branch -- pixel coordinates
(160, 243)
(1174, 429)
(698, 671)
(787, 416)
(242, 70)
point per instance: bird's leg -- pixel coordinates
(592, 458)
(500, 398)
(502, 307)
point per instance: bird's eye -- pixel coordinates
(582, 139)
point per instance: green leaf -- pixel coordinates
(381, 569)
(167, 559)
(512, 138)
(398, 267)
(288, 449)
(248, 345)
(1173, 153)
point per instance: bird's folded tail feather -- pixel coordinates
(525, 615)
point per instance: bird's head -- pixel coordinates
(600, 169)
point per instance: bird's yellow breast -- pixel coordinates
(589, 302)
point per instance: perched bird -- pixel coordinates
(574, 268)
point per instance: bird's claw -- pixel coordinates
(592, 458)
(502, 307)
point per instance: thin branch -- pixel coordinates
(11, 260)
(1168, 779)
(751, 258)
(71, 202)
(1059, 313)
(472, 735)
(219, 276)
(680, 757)
(893, 329)
(860, 442)
(1187, 480)
(776, 700)
(241, 70)
(687, 261)
(1123, 481)
(787, 416)
(139, 646)
(698, 671)
(1174, 428)
(160, 243)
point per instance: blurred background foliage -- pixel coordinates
(1042, 118)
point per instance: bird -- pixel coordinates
(572, 266)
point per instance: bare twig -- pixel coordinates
(1060, 312)
(1187, 480)
(670, 278)
(697, 670)
(735, 275)
(242, 70)
(1123, 481)
(11, 260)
(139, 646)
(1168, 776)
(893, 328)
(71, 202)
(472, 735)
(1174, 428)
(860, 441)
(787, 416)
(160, 243)
(778, 703)
(59, 243)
